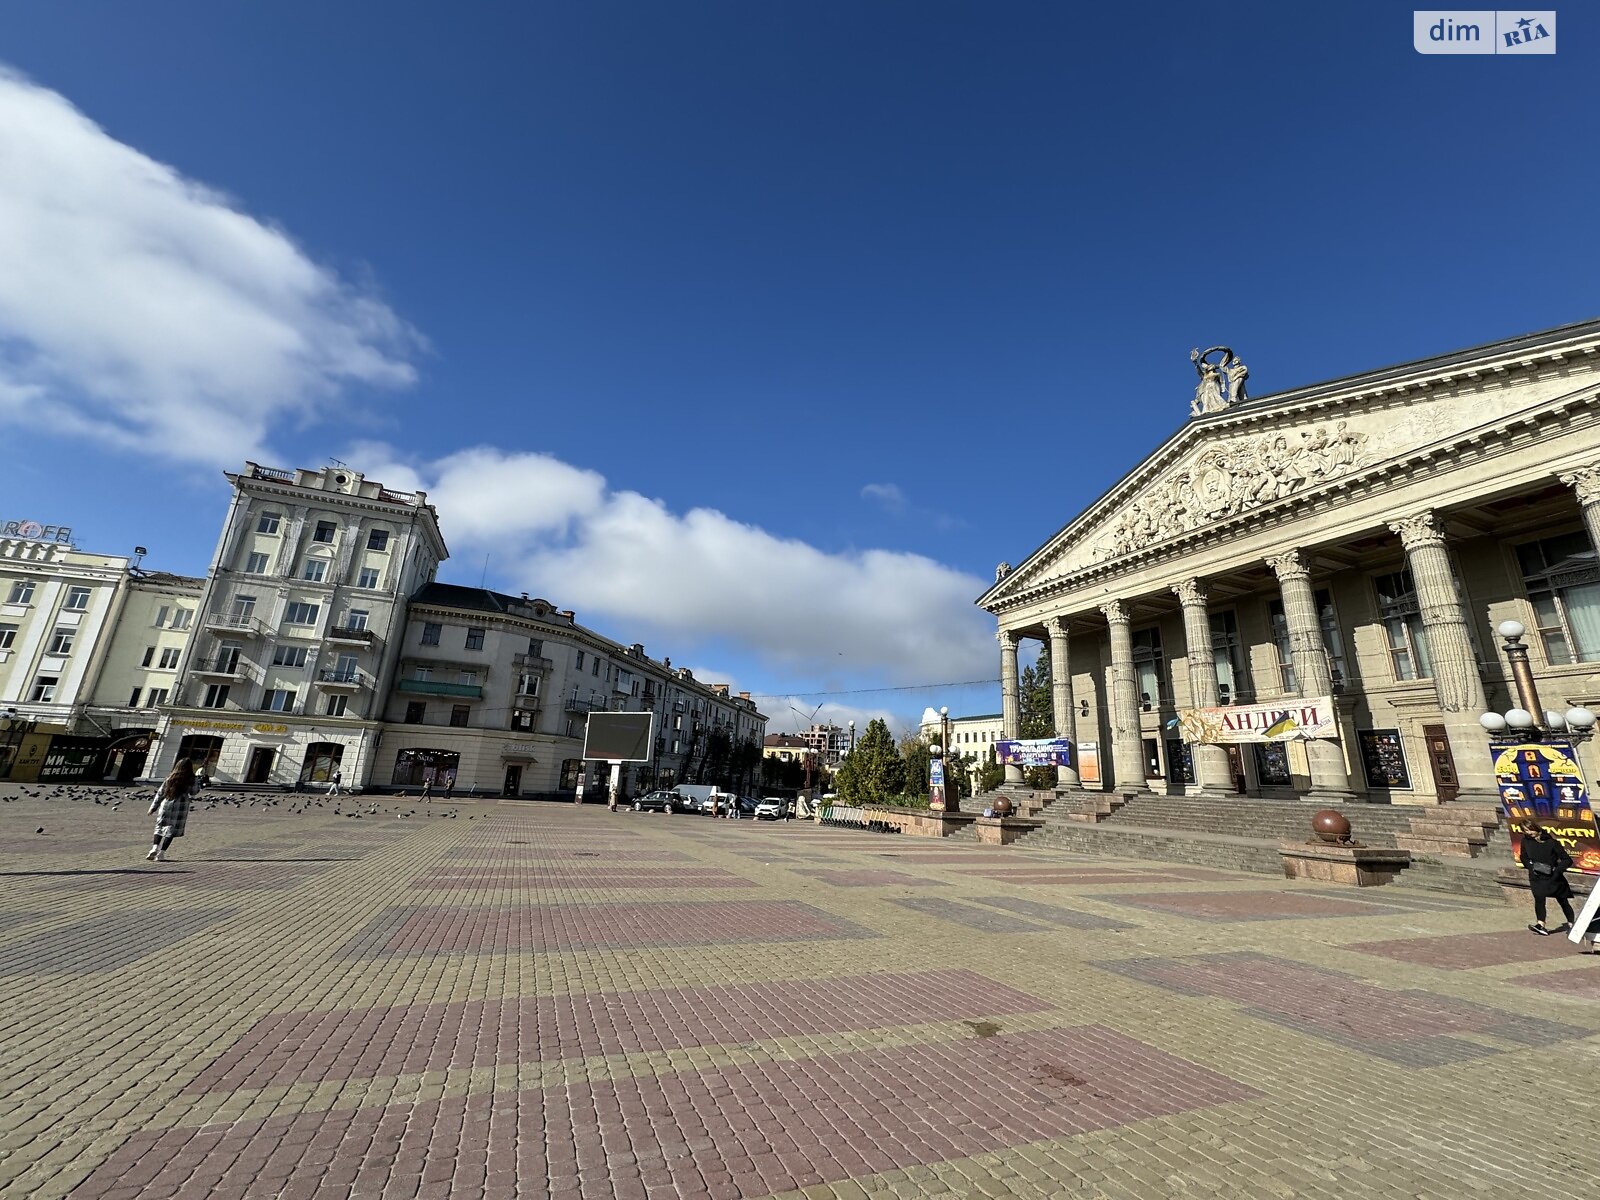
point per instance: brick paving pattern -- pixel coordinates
(505, 1001)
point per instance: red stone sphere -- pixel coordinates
(1002, 807)
(1331, 825)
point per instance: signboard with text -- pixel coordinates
(1277, 722)
(1034, 752)
(936, 800)
(1541, 781)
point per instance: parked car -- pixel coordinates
(771, 808)
(659, 801)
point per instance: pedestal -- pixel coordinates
(1352, 866)
(1002, 831)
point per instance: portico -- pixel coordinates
(1356, 540)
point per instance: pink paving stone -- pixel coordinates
(872, 878)
(621, 877)
(909, 1106)
(1247, 906)
(1072, 875)
(289, 1048)
(958, 858)
(1460, 952)
(1583, 983)
(551, 927)
(578, 852)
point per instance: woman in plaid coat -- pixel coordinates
(173, 802)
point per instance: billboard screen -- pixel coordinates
(618, 736)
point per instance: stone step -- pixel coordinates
(1419, 843)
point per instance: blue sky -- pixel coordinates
(758, 332)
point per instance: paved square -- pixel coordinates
(552, 1001)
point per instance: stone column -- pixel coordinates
(1585, 481)
(1455, 666)
(1010, 701)
(1127, 749)
(1210, 762)
(1325, 755)
(1061, 697)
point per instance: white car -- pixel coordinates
(772, 808)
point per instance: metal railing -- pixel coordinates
(335, 675)
(349, 633)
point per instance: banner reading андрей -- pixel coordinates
(1279, 722)
(1542, 782)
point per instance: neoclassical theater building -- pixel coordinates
(1358, 540)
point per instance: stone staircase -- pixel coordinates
(1455, 848)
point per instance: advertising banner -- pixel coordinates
(1034, 752)
(1088, 762)
(1542, 782)
(1279, 722)
(936, 785)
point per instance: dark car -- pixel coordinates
(667, 802)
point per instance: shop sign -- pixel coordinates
(36, 531)
(268, 728)
(201, 724)
(1295, 721)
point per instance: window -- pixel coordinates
(335, 706)
(300, 613)
(378, 539)
(324, 532)
(595, 669)
(1149, 669)
(430, 633)
(169, 659)
(422, 673)
(357, 618)
(133, 700)
(182, 618)
(316, 570)
(475, 638)
(345, 670)
(8, 636)
(535, 648)
(580, 660)
(161, 616)
(415, 711)
(528, 684)
(279, 700)
(44, 689)
(269, 522)
(155, 696)
(216, 696)
(244, 610)
(458, 715)
(1231, 660)
(22, 593)
(522, 719)
(1402, 624)
(467, 677)
(1563, 581)
(368, 577)
(149, 656)
(289, 656)
(256, 564)
(77, 599)
(61, 641)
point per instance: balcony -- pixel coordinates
(526, 699)
(335, 680)
(275, 474)
(574, 705)
(233, 624)
(532, 662)
(433, 687)
(348, 634)
(228, 666)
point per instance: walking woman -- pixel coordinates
(1546, 861)
(173, 802)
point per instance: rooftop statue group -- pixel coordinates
(1221, 383)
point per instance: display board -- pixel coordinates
(618, 736)
(1542, 781)
(1383, 758)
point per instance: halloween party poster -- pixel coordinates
(1542, 782)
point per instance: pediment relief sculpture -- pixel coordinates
(1232, 477)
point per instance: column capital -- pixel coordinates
(1191, 593)
(1418, 530)
(1291, 564)
(1585, 481)
(1008, 638)
(1115, 612)
(1056, 626)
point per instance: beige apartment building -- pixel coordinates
(1351, 545)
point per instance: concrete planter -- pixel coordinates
(919, 822)
(1002, 831)
(1354, 866)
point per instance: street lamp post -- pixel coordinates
(852, 737)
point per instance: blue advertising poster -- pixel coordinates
(1035, 752)
(1542, 781)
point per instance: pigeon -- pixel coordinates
(40, 829)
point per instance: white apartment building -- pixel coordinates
(492, 693)
(299, 627)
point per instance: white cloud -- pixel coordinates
(887, 494)
(702, 579)
(150, 312)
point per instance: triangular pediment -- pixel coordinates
(1222, 467)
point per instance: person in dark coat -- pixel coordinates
(1546, 860)
(171, 807)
